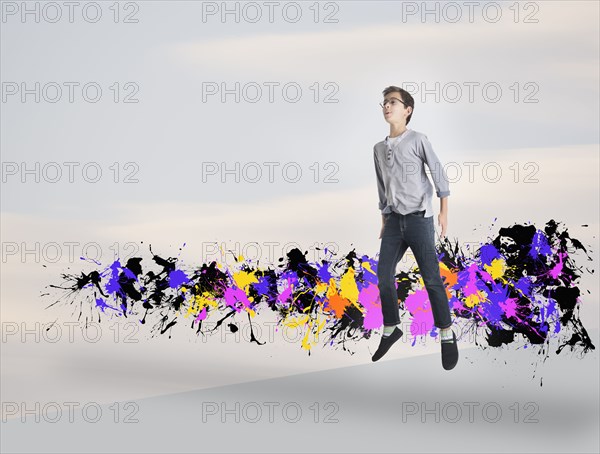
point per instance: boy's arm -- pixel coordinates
(380, 183)
(444, 205)
(380, 186)
(443, 216)
(440, 181)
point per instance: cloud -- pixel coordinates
(572, 31)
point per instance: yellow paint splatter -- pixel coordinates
(496, 269)
(199, 302)
(321, 287)
(348, 288)
(475, 298)
(367, 266)
(305, 343)
(296, 321)
(243, 279)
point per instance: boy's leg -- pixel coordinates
(391, 251)
(420, 236)
(421, 239)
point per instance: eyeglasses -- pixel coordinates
(392, 101)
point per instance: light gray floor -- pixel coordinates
(389, 406)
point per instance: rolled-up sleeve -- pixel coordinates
(438, 174)
(380, 184)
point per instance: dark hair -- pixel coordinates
(404, 96)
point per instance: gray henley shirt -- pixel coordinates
(402, 183)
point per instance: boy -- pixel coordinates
(405, 195)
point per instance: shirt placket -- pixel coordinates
(390, 150)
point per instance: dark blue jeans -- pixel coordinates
(416, 232)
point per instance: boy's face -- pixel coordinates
(394, 111)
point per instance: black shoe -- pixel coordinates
(386, 342)
(449, 353)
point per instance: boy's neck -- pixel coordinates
(395, 131)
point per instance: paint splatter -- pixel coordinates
(522, 285)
